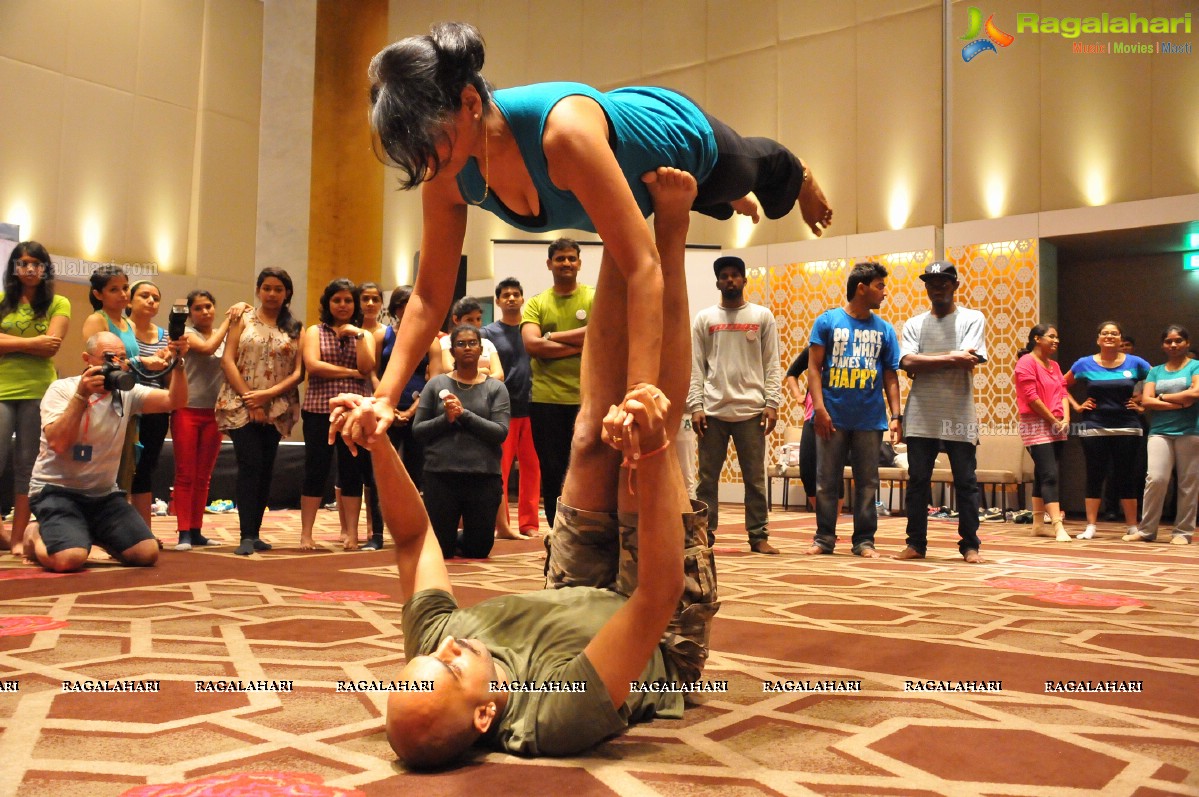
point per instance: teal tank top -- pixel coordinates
(127, 336)
(648, 127)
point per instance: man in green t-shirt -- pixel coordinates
(556, 671)
(553, 326)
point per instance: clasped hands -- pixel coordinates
(637, 427)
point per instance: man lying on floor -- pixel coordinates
(579, 646)
(582, 642)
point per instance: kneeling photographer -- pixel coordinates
(73, 491)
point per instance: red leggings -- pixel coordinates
(518, 445)
(197, 441)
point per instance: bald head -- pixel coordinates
(102, 342)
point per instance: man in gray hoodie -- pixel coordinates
(736, 388)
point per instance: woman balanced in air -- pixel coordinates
(550, 156)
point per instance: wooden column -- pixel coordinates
(345, 236)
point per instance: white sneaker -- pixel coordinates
(1086, 534)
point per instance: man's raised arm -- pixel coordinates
(418, 555)
(621, 649)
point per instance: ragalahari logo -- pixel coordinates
(976, 44)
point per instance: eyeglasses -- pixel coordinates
(467, 344)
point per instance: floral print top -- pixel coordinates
(265, 357)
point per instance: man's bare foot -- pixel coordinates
(908, 553)
(306, 543)
(350, 543)
(813, 205)
(868, 552)
(816, 550)
(972, 557)
(31, 538)
(746, 207)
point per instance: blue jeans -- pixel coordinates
(922, 456)
(830, 466)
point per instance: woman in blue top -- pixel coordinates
(566, 156)
(109, 297)
(1171, 392)
(1109, 422)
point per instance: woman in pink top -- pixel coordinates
(1044, 408)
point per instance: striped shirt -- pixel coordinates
(150, 350)
(941, 402)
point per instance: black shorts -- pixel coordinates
(71, 520)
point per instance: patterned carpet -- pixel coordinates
(1038, 611)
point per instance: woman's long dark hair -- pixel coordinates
(286, 321)
(1039, 331)
(13, 290)
(416, 86)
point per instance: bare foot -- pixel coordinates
(98, 554)
(813, 205)
(746, 207)
(32, 537)
(908, 553)
(306, 543)
(816, 550)
(673, 190)
(869, 553)
(508, 534)
(350, 544)
(972, 557)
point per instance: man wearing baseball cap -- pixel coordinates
(736, 387)
(939, 349)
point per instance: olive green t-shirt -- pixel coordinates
(539, 638)
(556, 380)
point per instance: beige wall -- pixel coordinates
(132, 131)
(1041, 127)
(142, 134)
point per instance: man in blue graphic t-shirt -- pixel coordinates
(853, 360)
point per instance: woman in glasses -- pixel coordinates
(1109, 422)
(33, 322)
(462, 421)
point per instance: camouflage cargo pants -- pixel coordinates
(599, 549)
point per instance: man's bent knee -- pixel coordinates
(144, 554)
(65, 561)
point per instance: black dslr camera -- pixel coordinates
(116, 377)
